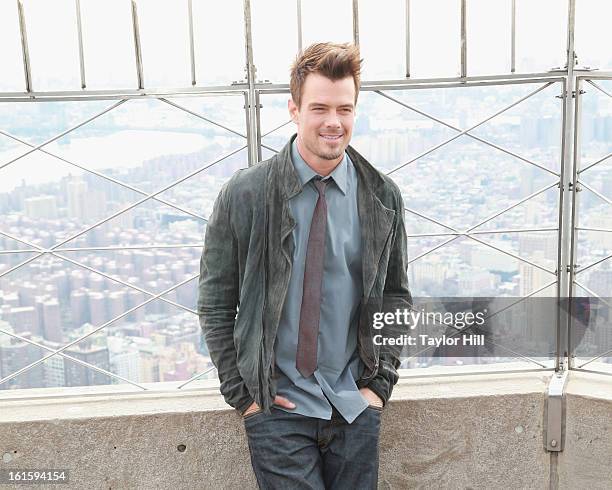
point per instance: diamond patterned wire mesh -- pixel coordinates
(62, 251)
(72, 248)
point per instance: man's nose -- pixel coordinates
(332, 120)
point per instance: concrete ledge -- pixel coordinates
(465, 431)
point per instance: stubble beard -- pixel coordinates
(330, 154)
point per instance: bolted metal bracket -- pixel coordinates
(569, 267)
(555, 411)
(573, 187)
(564, 95)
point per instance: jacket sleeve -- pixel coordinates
(218, 299)
(396, 295)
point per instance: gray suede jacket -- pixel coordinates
(246, 264)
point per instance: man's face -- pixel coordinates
(325, 118)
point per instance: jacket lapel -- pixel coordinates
(375, 218)
(285, 179)
(376, 226)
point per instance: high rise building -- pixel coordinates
(41, 207)
(16, 354)
(52, 320)
(77, 199)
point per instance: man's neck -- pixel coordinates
(319, 165)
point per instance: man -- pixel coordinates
(307, 245)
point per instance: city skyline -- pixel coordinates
(54, 301)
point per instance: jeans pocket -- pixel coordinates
(377, 408)
(252, 414)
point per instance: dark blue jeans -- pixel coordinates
(291, 451)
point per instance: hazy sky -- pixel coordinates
(219, 41)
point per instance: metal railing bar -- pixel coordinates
(592, 371)
(597, 193)
(485, 232)
(74, 359)
(429, 218)
(276, 128)
(567, 203)
(106, 177)
(200, 116)
(410, 84)
(109, 94)
(137, 47)
(25, 52)
(430, 150)
(512, 255)
(585, 228)
(513, 37)
(410, 261)
(518, 203)
(237, 133)
(407, 31)
(146, 198)
(130, 247)
(532, 293)
(469, 81)
(77, 6)
(9, 252)
(97, 329)
(592, 293)
(270, 132)
(466, 232)
(299, 25)
(456, 234)
(593, 264)
(20, 240)
(478, 138)
(459, 234)
(104, 390)
(463, 40)
(21, 264)
(258, 142)
(602, 90)
(63, 133)
(271, 88)
(251, 79)
(191, 43)
(476, 373)
(594, 163)
(210, 369)
(591, 75)
(356, 22)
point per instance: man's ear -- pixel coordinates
(293, 110)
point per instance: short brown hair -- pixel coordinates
(334, 61)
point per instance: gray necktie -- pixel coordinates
(310, 312)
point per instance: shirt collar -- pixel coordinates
(306, 173)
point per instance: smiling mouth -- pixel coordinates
(331, 137)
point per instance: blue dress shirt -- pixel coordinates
(338, 363)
